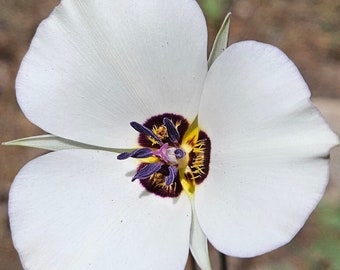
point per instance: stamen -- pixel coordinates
(144, 130)
(138, 153)
(172, 130)
(172, 174)
(147, 171)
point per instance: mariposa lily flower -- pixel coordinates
(230, 150)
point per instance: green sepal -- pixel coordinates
(54, 143)
(221, 41)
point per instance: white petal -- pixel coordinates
(77, 209)
(268, 167)
(94, 66)
(198, 241)
(53, 143)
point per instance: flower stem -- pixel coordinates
(193, 262)
(223, 261)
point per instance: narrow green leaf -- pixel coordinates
(54, 143)
(221, 40)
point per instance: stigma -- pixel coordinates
(173, 155)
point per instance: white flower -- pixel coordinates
(95, 66)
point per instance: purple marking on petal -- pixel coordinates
(144, 130)
(172, 174)
(156, 183)
(147, 171)
(172, 130)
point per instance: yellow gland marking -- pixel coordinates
(197, 166)
(160, 131)
(187, 184)
(158, 180)
(153, 141)
(189, 140)
(190, 143)
(190, 137)
(178, 123)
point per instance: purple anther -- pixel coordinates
(179, 153)
(138, 153)
(142, 153)
(144, 130)
(123, 156)
(147, 171)
(172, 175)
(172, 130)
(161, 152)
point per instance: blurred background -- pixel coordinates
(308, 31)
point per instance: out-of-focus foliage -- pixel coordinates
(326, 246)
(214, 10)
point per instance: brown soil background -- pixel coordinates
(307, 30)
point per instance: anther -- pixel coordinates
(147, 171)
(138, 153)
(144, 130)
(172, 130)
(172, 174)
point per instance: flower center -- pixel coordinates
(174, 155)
